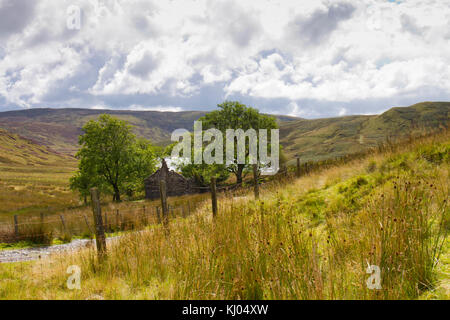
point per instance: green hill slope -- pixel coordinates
(16, 150)
(313, 139)
(59, 128)
(320, 139)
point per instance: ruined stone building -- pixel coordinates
(176, 184)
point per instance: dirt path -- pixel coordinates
(29, 254)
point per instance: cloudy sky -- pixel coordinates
(304, 58)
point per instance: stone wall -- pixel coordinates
(176, 184)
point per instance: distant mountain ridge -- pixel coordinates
(316, 139)
(59, 128)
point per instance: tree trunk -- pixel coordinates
(116, 196)
(238, 173)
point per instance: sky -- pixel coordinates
(294, 57)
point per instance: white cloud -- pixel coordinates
(325, 56)
(342, 112)
(99, 107)
(154, 108)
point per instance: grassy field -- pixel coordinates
(306, 238)
(33, 190)
(33, 178)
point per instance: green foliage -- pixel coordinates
(85, 179)
(111, 158)
(202, 173)
(234, 115)
(143, 164)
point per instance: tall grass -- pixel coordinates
(312, 238)
(127, 216)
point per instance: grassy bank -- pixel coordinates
(309, 238)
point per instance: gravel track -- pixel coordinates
(29, 254)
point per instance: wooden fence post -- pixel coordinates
(164, 207)
(63, 222)
(214, 197)
(100, 238)
(158, 216)
(255, 180)
(298, 167)
(117, 219)
(144, 215)
(16, 226)
(106, 222)
(87, 222)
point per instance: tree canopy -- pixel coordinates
(112, 158)
(235, 115)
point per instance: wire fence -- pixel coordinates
(41, 229)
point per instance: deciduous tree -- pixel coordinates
(111, 157)
(235, 115)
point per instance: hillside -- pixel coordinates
(320, 139)
(314, 139)
(33, 178)
(59, 128)
(16, 150)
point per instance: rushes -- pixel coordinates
(38, 234)
(310, 239)
(404, 236)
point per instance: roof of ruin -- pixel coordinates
(164, 168)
